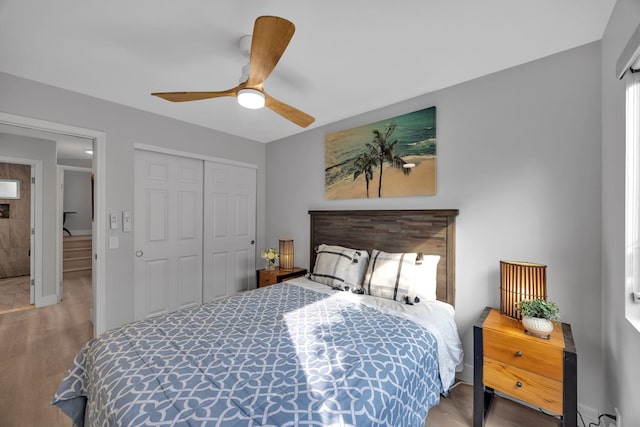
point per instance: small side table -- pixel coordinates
(271, 277)
(534, 370)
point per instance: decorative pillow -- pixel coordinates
(387, 274)
(357, 269)
(424, 278)
(332, 265)
(398, 275)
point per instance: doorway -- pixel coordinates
(75, 232)
(46, 294)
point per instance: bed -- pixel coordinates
(299, 353)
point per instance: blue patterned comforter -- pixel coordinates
(277, 356)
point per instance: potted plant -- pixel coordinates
(270, 255)
(538, 315)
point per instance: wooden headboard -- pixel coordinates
(432, 232)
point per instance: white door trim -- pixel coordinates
(190, 155)
(32, 236)
(36, 221)
(99, 291)
(59, 232)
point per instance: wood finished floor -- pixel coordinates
(36, 349)
(14, 294)
(38, 346)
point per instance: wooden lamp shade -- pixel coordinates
(521, 281)
(286, 254)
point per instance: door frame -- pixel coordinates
(35, 237)
(99, 250)
(163, 150)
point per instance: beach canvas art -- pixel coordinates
(390, 158)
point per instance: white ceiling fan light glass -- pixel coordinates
(251, 98)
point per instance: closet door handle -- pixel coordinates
(139, 253)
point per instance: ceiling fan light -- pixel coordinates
(251, 98)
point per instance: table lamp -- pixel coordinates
(521, 281)
(286, 254)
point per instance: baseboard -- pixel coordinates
(466, 375)
(589, 415)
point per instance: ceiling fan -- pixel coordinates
(271, 35)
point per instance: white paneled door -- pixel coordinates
(168, 233)
(229, 229)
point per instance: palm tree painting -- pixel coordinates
(389, 158)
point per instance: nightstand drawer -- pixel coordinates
(524, 385)
(271, 277)
(268, 279)
(533, 355)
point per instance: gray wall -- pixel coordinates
(621, 340)
(519, 155)
(39, 149)
(77, 198)
(124, 127)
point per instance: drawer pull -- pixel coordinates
(518, 384)
(518, 353)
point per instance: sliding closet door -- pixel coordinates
(168, 233)
(229, 229)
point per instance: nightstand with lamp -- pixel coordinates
(285, 270)
(539, 371)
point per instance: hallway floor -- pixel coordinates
(14, 294)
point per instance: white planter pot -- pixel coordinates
(537, 326)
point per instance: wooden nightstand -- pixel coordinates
(270, 277)
(534, 370)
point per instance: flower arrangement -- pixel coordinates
(270, 255)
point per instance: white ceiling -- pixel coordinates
(346, 57)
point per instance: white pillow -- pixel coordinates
(357, 269)
(398, 275)
(332, 265)
(424, 278)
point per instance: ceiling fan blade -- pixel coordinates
(271, 36)
(195, 96)
(290, 113)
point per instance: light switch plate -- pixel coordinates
(126, 221)
(113, 220)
